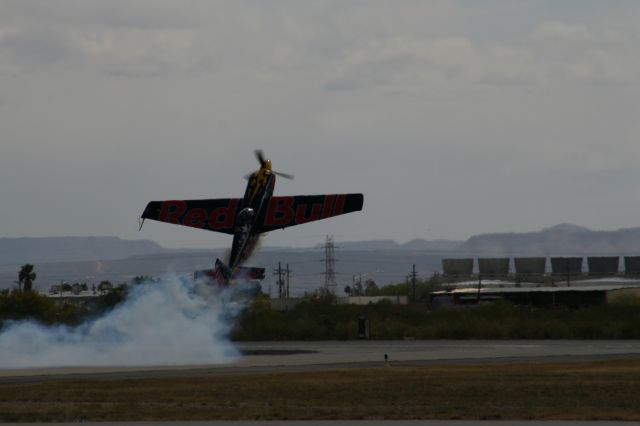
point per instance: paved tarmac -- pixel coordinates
(345, 423)
(364, 352)
(266, 357)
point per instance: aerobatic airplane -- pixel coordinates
(248, 217)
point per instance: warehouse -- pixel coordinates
(587, 293)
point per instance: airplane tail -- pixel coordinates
(248, 273)
(223, 274)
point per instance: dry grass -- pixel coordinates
(589, 390)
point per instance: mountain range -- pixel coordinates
(560, 240)
(93, 259)
(415, 244)
(68, 249)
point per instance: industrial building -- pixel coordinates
(592, 292)
(563, 281)
(530, 266)
(597, 266)
(284, 304)
(493, 267)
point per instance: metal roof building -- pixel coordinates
(592, 292)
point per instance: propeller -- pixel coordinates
(284, 175)
(260, 156)
(263, 161)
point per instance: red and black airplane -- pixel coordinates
(248, 217)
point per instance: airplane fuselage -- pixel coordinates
(256, 198)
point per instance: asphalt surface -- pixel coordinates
(267, 357)
(345, 423)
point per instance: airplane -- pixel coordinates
(247, 218)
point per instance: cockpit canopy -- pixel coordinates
(245, 217)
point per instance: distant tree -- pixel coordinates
(423, 288)
(26, 277)
(324, 297)
(113, 296)
(17, 305)
(141, 279)
(357, 289)
(348, 290)
(105, 287)
(370, 287)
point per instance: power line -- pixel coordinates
(279, 281)
(282, 281)
(413, 281)
(288, 271)
(329, 266)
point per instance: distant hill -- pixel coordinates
(71, 249)
(306, 265)
(92, 259)
(418, 244)
(433, 245)
(563, 239)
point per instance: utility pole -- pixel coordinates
(279, 272)
(413, 281)
(288, 271)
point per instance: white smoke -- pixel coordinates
(171, 322)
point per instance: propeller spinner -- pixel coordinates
(267, 163)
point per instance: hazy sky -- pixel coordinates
(452, 117)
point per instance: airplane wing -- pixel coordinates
(213, 215)
(283, 212)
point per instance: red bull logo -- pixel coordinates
(175, 211)
(281, 212)
(284, 211)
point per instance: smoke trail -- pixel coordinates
(173, 322)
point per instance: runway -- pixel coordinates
(266, 357)
(343, 423)
(251, 387)
(412, 351)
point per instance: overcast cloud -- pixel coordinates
(453, 118)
